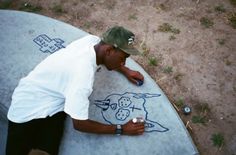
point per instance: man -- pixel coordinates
(60, 85)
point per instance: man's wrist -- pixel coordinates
(119, 129)
(123, 70)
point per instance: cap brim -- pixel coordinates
(131, 51)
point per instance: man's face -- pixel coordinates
(115, 58)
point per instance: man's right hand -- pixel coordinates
(131, 128)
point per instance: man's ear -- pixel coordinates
(109, 49)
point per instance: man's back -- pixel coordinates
(43, 91)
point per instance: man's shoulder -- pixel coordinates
(87, 40)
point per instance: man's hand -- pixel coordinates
(133, 76)
(131, 128)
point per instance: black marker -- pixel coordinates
(139, 82)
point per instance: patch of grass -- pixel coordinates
(168, 69)
(206, 22)
(175, 31)
(87, 25)
(75, 3)
(233, 2)
(178, 76)
(203, 108)
(58, 9)
(5, 4)
(153, 61)
(172, 37)
(30, 8)
(227, 62)
(234, 88)
(221, 41)
(166, 27)
(220, 8)
(161, 7)
(132, 17)
(232, 20)
(145, 49)
(217, 139)
(199, 119)
(180, 102)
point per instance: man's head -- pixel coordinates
(117, 43)
(121, 38)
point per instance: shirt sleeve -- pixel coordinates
(76, 95)
(77, 103)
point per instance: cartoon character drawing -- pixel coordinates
(48, 45)
(120, 108)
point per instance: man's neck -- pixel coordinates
(98, 52)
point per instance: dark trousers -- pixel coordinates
(44, 134)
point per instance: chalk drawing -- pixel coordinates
(48, 45)
(120, 108)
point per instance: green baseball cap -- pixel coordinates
(121, 38)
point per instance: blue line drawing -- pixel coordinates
(120, 108)
(48, 45)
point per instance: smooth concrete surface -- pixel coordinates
(26, 39)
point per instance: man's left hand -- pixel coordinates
(133, 76)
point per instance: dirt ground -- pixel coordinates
(192, 58)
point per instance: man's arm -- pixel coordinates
(131, 75)
(91, 126)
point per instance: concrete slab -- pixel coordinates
(26, 39)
